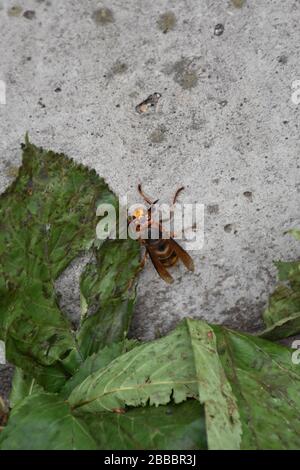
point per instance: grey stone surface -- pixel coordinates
(225, 128)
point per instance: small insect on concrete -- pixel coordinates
(148, 104)
(163, 252)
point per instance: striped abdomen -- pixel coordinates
(163, 250)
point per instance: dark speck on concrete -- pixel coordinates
(228, 228)
(219, 29)
(248, 195)
(29, 14)
(40, 102)
(213, 209)
(57, 90)
(166, 22)
(223, 103)
(283, 59)
(103, 16)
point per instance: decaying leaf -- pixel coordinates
(282, 317)
(182, 365)
(47, 217)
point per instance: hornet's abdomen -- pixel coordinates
(164, 251)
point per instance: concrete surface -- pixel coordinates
(225, 127)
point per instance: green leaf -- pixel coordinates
(287, 269)
(47, 218)
(259, 384)
(221, 414)
(178, 366)
(166, 427)
(96, 362)
(295, 232)
(266, 385)
(23, 385)
(45, 422)
(282, 317)
(106, 291)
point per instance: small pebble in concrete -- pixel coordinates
(223, 103)
(148, 104)
(103, 16)
(219, 29)
(29, 14)
(166, 22)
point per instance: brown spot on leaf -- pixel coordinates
(119, 411)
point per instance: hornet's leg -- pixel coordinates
(177, 194)
(147, 199)
(142, 264)
(173, 203)
(144, 259)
